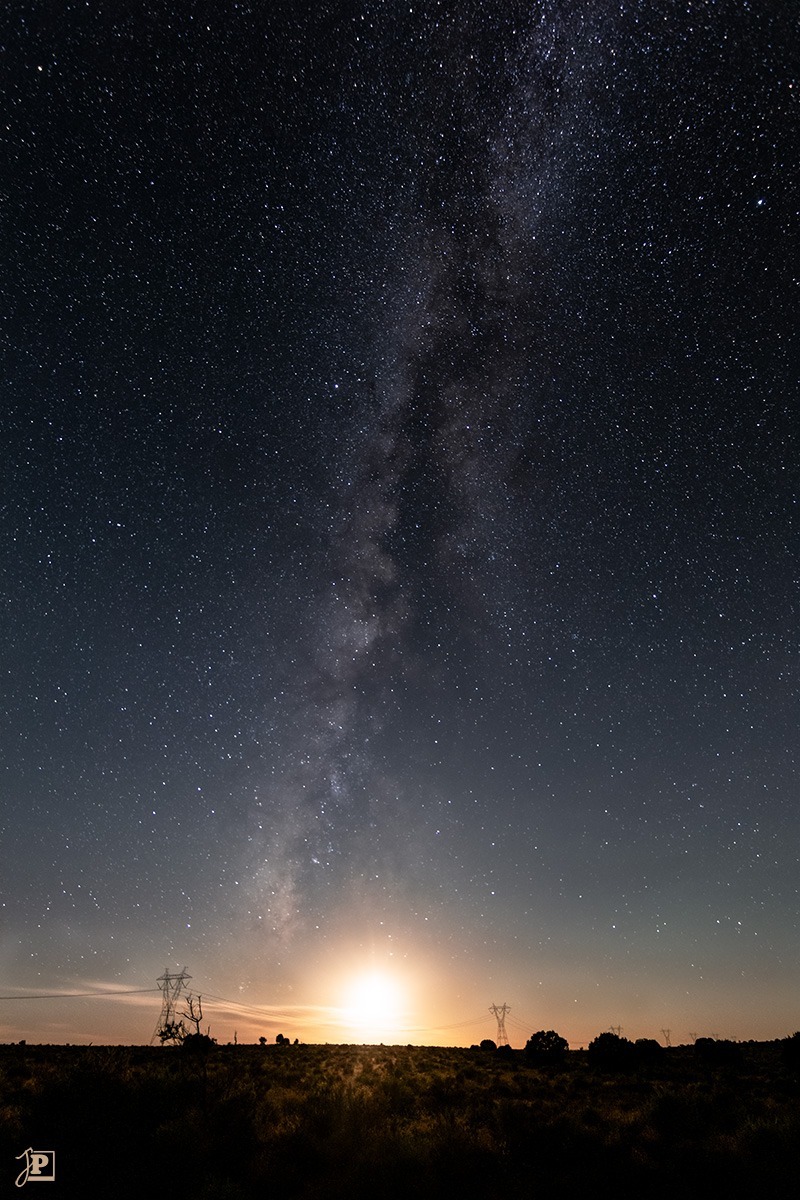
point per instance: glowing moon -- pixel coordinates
(374, 1004)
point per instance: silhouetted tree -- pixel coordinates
(611, 1052)
(717, 1052)
(488, 1044)
(197, 1044)
(172, 1031)
(790, 1052)
(546, 1046)
(647, 1049)
(262, 1041)
(193, 1013)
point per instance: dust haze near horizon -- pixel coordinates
(400, 515)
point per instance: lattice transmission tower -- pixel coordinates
(499, 1012)
(170, 1024)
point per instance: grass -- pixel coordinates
(323, 1122)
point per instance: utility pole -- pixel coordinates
(499, 1012)
(170, 1027)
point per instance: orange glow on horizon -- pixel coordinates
(375, 1007)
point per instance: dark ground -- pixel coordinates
(388, 1121)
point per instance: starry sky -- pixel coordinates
(399, 517)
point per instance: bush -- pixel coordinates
(790, 1052)
(353, 1122)
(546, 1046)
(611, 1052)
(717, 1052)
(197, 1043)
(647, 1049)
(488, 1044)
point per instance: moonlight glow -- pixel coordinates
(374, 1007)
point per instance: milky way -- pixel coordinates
(401, 514)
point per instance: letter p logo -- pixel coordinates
(40, 1167)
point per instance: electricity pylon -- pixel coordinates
(500, 1012)
(666, 1033)
(169, 1026)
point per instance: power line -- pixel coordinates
(431, 1028)
(522, 1026)
(78, 995)
(254, 1010)
(268, 1013)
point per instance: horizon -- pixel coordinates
(246, 1024)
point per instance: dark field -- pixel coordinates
(367, 1121)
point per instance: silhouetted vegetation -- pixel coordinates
(718, 1051)
(791, 1051)
(329, 1122)
(546, 1046)
(197, 1044)
(647, 1049)
(610, 1052)
(172, 1033)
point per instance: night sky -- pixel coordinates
(399, 514)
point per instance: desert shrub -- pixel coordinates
(488, 1044)
(647, 1050)
(717, 1052)
(399, 1097)
(790, 1052)
(351, 1122)
(443, 1093)
(197, 1044)
(562, 1149)
(682, 1115)
(611, 1052)
(546, 1046)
